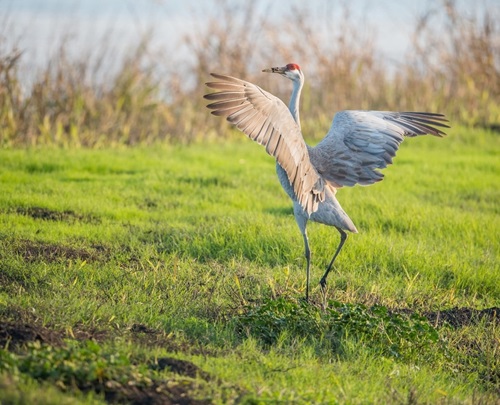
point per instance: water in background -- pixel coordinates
(39, 27)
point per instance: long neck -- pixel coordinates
(295, 100)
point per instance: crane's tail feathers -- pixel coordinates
(310, 201)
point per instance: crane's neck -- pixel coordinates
(295, 100)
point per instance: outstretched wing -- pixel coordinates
(267, 120)
(360, 142)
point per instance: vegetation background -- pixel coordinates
(85, 98)
(143, 261)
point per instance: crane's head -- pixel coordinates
(291, 71)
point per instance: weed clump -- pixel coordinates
(89, 367)
(389, 334)
(77, 365)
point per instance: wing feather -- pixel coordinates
(361, 142)
(266, 119)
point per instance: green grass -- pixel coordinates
(200, 243)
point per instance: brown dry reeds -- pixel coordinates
(67, 106)
(453, 68)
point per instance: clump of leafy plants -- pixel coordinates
(83, 366)
(109, 372)
(391, 334)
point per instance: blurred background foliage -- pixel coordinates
(453, 67)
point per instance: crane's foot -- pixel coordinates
(322, 283)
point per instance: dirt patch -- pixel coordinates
(155, 337)
(18, 326)
(52, 215)
(164, 393)
(32, 251)
(204, 182)
(460, 317)
(456, 317)
(26, 329)
(181, 367)
(16, 334)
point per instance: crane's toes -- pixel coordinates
(322, 283)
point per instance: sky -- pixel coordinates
(38, 26)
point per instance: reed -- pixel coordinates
(453, 69)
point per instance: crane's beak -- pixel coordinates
(280, 70)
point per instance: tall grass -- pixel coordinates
(453, 69)
(68, 104)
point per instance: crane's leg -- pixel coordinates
(302, 223)
(343, 237)
(308, 263)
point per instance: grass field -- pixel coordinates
(175, 273)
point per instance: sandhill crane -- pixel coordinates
(357, 144)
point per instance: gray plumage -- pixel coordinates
(358, 144)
